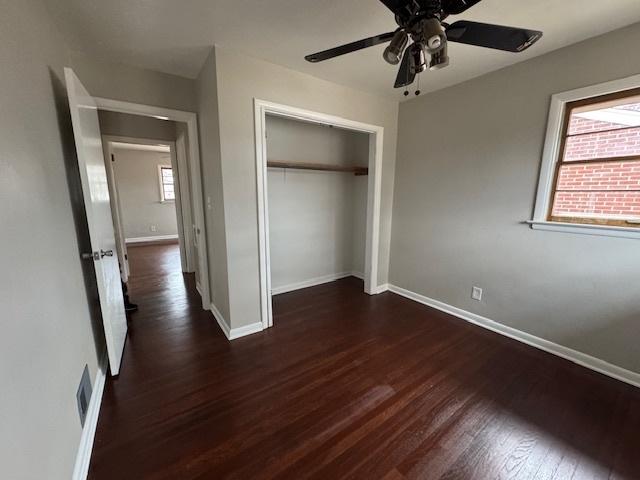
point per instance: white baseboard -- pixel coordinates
(567, 353)
(198, 289)
(83, 457)
(359, 275)
(382, 288)
(224, 326)
(246, 330)
(312, 282)
(233, 333)
(156, 238)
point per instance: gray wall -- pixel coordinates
(47, 330)
(466, 177)
(316, 218)
(212, 187)
(136, 174)
(137, 126)
(241, 79)
(124, 82)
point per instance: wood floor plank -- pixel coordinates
(347, 386)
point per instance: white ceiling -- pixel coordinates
(174, 36)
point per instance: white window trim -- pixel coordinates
(551, 155)
(161, 184)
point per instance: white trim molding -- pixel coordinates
(83, 457)
(222, 322)
(567, 353)
(312, 282)
(234, 333)
(551, 154)
(383, 288)
(586, 229)
(245, 330)
(156, 238)
(374, 192)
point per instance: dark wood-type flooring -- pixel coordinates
(347, 386)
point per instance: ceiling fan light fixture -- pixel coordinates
(418, 58)
(434, 43)
(393, 53)
(434, 35)
(440, 59)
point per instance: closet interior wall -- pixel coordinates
(317, 219)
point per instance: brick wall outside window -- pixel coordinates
(599, 189)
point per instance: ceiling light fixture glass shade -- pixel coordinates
(393, 53)
(418, 58)
(439, 59)
(434, 35)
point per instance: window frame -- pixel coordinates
(162, 184)
(557, 128)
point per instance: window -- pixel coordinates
(167, 192)
(590, 179)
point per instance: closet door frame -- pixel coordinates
(374, 193)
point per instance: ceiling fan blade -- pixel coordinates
(499, 37)
(349, 47)
(396, 6)
(456, 7)
(405, 75)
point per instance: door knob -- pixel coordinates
(91, 256)
(108, 253)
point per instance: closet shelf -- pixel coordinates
(318, 166)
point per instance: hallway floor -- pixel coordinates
(347, 386)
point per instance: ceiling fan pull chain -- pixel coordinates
(406, 82)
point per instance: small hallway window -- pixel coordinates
(167, 192)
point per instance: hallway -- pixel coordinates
(162, 355)
(347, 386)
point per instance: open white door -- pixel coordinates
(84, 116)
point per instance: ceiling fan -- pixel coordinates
(422, 21)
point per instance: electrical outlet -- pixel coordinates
(153, 228)
(476, 293)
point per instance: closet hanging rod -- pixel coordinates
(318, 166)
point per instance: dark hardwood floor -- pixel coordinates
(347, 386)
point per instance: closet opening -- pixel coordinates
(318, 200)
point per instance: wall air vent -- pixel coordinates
(83, 396)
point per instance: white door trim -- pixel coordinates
(195, 171)
(376, 134)
(116, 208)
(184, 193)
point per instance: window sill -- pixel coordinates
(585, 229)
(167, 201)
